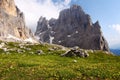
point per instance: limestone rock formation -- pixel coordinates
(8, 6)
(73, 28)
(12, 24)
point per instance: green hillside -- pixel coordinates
(20, 61)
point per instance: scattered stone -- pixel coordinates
(20, 51)
(21, 46)
(50, 49)
(63, 48)
(7, 52)
(76, 47)
(106, 52)
(91, 51)
(69, 54)
(28, 49)
(86, 54)
(31, 52)
(39, 52)
(75, 61)
(53, 48)
(2, 45)
(13, 49)
(5, 49)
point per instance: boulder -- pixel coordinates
(2, 45)
(76, 53)
(39, 52)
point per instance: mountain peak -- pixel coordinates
(76, 7)
(73, 28)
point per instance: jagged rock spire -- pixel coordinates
(73, 28)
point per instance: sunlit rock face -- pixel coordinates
(73, 28)
(8, 6)
(12, 21)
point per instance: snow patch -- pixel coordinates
(52, 32)
(51, 39)
(48, 26)
(13, 37)
(59, 41)
(63, 48)
(40, 33)
(76, 32)
(21, 40)
(68, 35)
(37, 37)
(30, 40)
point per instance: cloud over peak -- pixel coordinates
(33, 9)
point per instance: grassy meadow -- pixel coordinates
(22, 63)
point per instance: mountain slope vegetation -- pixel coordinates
(26, 61)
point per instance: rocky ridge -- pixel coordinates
(12, 23)
(73, 28)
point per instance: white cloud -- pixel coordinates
(67, 2)
(115, 27)
(113, 36)
(113, 41)
(33, 9)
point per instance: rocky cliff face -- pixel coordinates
(73, 28)
(12, 24)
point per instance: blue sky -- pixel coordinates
(105, 11)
